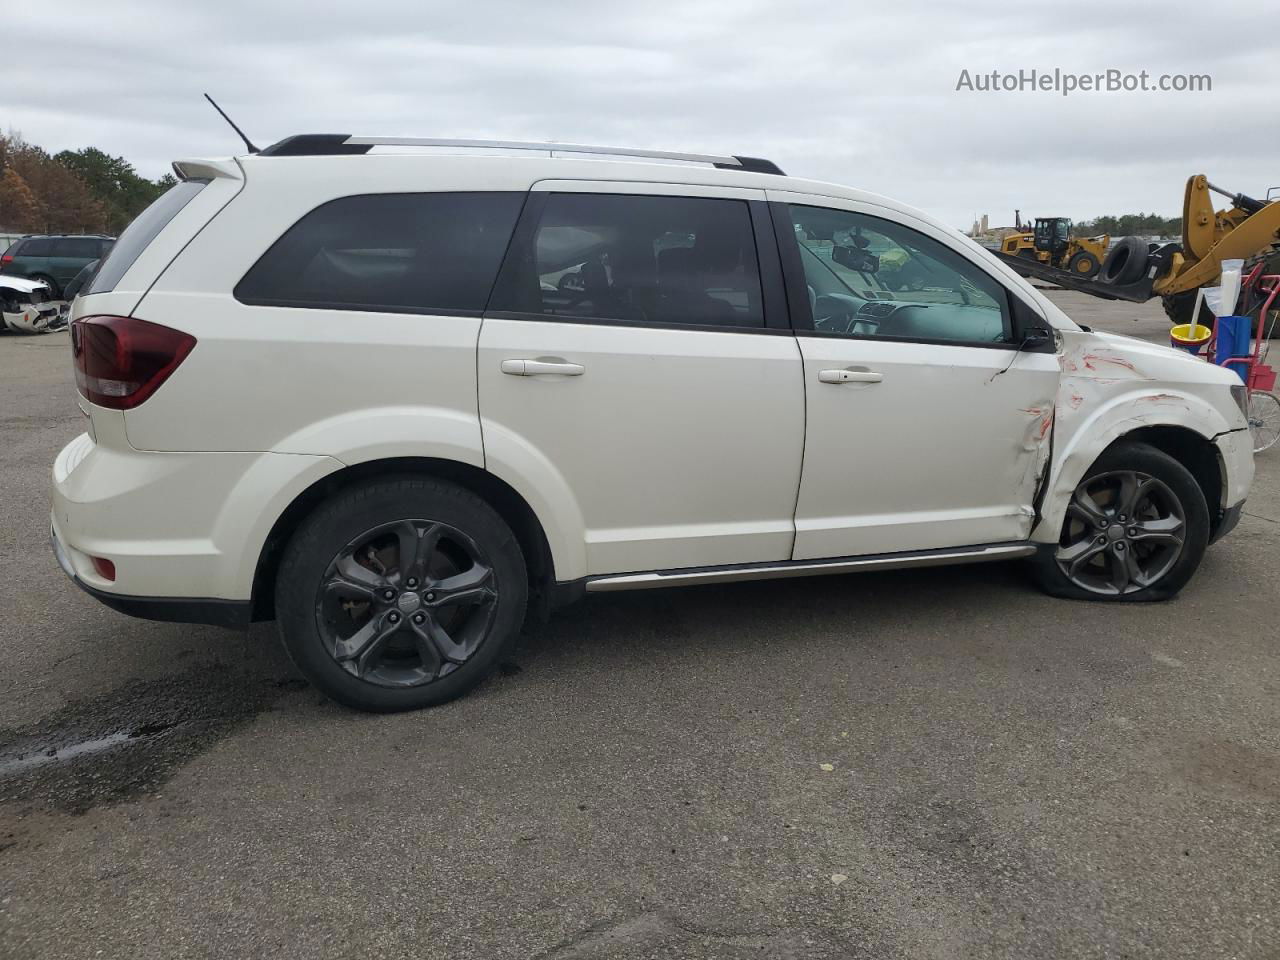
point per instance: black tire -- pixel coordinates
(1173, 479)
(54, 292)
(1271, 265)
(1178, 307)
(1084, 264)
(1125, 262)
(307, 574)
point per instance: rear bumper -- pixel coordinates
(176, 526)
(233, 614)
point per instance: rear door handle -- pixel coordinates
(849, 376)
(536, 368)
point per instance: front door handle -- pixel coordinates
(536, 368)
(860, 375)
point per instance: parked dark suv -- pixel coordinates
(54, 260)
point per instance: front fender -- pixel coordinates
(1092, 414)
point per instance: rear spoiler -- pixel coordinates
(226, 169)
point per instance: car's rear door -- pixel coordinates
(638, 379)
(926, 427)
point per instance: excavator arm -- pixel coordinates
(1247, 228)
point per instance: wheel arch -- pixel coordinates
(510, 505)
(1198, 454)
(1178, 424)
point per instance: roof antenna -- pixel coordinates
(247, 142)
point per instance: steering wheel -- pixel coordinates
(838, 315)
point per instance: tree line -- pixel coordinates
(74, 191)
(1130, 224)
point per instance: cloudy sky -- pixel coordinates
(855, 92)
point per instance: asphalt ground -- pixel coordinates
(939, 763)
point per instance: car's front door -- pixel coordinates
(925, 427)
(637, 375)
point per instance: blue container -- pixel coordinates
(1233, 341)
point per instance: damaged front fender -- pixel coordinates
(1111, 386)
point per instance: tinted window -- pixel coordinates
(85, 248)
(39, 247)
(389, 252)
(145, 227)
(876, 278)
(642, 259)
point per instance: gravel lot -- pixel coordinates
(938, 763)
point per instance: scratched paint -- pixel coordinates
(1109, 387)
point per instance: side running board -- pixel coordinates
(808, 568)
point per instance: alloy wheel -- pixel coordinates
(406, 603)
(1123, 532)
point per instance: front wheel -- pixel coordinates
(1084, 264)
(400, 594)
(1136, 529)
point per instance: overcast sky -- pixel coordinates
(863, 94)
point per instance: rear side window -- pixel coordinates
(138, 235)
(639, 259)
(389, 253)
(39, 247)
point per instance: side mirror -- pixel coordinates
(1036, 338)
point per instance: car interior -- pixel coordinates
(870, 277)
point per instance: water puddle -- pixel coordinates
(24, 762)
(129, 741)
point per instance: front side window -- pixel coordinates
(395, 253)
(871, 277)
(77, 247)
(639, 259)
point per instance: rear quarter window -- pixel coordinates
(391, 253)
(145, 227)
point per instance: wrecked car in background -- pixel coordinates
(26, 306)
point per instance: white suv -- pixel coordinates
(395, 394)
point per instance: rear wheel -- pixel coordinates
(1178, 307)
(400, 594)
(1136, 529)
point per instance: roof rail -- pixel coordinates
(328, 144)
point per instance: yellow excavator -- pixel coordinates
(1049, 241)
(1136, 271)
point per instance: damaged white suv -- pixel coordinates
(396, 394)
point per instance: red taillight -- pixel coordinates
(7, 258)
(120, 361)
(104, 568)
